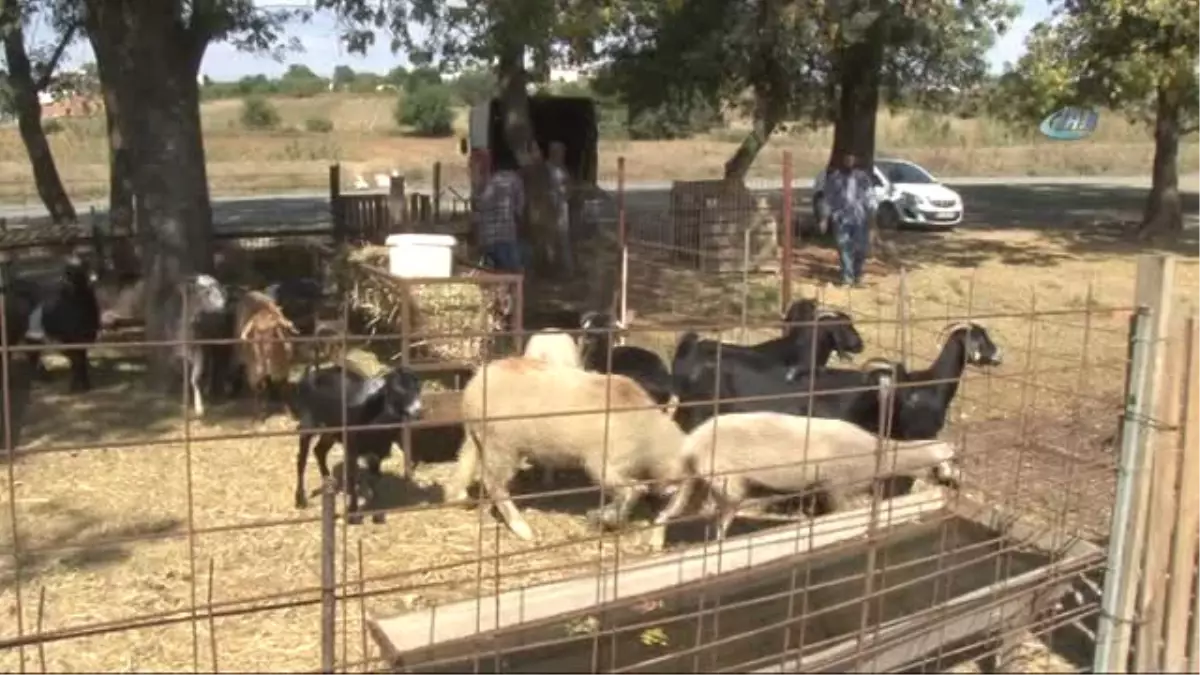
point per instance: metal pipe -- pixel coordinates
(1110, 625)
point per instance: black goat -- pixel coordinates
(209, 316)
(799, 348)
(390, 398)
(641, 365)
(70, 315)
(922, 397)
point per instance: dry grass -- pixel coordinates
(366, 140)
(84, 499)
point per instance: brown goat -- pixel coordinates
(265, 351)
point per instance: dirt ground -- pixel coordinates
(103, 533)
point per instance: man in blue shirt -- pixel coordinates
(850, 203)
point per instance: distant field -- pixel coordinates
(366, 141)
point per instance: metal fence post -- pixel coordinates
(789, 234)
(328, 578)
(1112, 626)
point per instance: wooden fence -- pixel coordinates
(371, 217)
(1151, 622)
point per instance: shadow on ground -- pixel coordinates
(83, 543)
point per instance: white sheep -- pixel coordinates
(768, 449)
(555, 347)
(617, 448)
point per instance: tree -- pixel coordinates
(26, 77)
(148, 54)
(474, 86)
(1137, 58)
(343, 77)
(421, 77)
(495, 33)
(300, 80)
(397, 76)
(809, 61)
(427, 111)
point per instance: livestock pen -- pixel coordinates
(139, 538)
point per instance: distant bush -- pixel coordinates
(318, 125)
(259, 113)
(52, 126)
(427, 110)
(672, 120)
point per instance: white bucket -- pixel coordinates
(420, 255)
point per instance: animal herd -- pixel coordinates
(774, 415)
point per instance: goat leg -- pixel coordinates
(375, 475)
(196, 377)
(350, 467)
(301, 463)
(80, 375)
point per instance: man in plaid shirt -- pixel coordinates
(501, 205)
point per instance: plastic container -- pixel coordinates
(420, 255)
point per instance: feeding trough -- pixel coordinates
(791, 599)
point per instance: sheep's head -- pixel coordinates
(978, 348)
(836, 330)
(598, 326)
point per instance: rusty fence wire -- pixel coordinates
(140, 537)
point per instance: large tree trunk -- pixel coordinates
(120, 166)
(29, 122)
(858, 105)
(539, 228)
(154, 62)
(858, 99)
(1164, 209)
(770, 95)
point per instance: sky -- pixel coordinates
(322, 50)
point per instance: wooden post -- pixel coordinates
(335, 202)
(437, 191)
(1179, 597)
(396, 203)
(1165, 450)
(1154, 290)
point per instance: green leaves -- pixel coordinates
(1113, 53)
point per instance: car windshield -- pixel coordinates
(902, 172)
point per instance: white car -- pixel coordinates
(908, 195)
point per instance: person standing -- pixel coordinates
(501, 206)
(560, 186)
(850, 203)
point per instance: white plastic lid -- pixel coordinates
(420, 239)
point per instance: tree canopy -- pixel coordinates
(1138, 58)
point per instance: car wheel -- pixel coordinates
(889, 218)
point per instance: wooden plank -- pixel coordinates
(1155, 289)
(416, 630)
(1153, 600)
(1187, 522)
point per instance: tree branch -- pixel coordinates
(51, 64)
(1184, 131)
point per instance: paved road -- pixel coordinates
(990, 200)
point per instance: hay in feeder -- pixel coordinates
(439, 314)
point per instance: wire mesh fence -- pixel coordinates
(140, 535)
